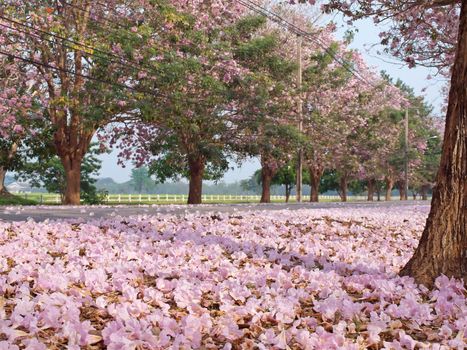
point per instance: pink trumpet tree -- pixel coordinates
(85, 73)
(16, 112)
(433, 32)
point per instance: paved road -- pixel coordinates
(41, 213)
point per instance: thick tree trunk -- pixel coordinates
(402, 193)
(196, 167)
(315, 179)
(371, 189)
(314, 192)
(266, 180)
(3, 169)
(3, 190)
(71, 144)
(389, 187)
(72, 166)
(343, 185)
(443, 246)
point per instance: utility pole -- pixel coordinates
(406, 154)
(300, 119)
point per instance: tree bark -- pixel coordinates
(401, 188)
(4, 169)
(443, 246)
(196, 167)
(371, 189)
(266, 180)
(72, 166)
(3, 190)
(315, 179)
(424, 192)
(389, 187)
(378, 192)
(71, 144)
(343, 185)
(287, 192)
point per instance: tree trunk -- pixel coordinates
(424, 192)
(443, 246)
(72, 166)
(371, 189)
(389, 187)
(401, 188)
(266, 180)
(196, 167)
(343, 188)
(315, 179)
(3, 190)
(3, 169)
(287, 192)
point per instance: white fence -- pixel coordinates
(180, 198)
(51, 198)
(158, 198)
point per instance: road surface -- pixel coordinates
(41, 213)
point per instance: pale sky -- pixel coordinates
(365, 40)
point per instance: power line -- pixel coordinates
(85, 76)
(275, 18)
(91, 48)
(107, 82)
(75, 73)
(293, 28)
(88, 47)
(141, 67)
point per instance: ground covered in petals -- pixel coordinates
(308, 279)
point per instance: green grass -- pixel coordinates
(15, 200)
(51, 199)
(237, 201)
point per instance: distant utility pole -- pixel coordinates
(406, 154)
(300, 119)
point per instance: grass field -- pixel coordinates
(159, 199)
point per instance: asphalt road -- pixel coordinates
(41, 213)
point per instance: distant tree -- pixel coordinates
(266, 96)
(417, 32)
(252, 184)
(141, 179)
(286, 176)
(424, 177)
(330, 181)
(192, 133)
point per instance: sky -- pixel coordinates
(366, 40)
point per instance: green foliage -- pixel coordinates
(141, 180)
(330, 183)
(16, 200)
(48, 172)
(286, 176)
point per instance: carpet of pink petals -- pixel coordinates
(307, 279)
